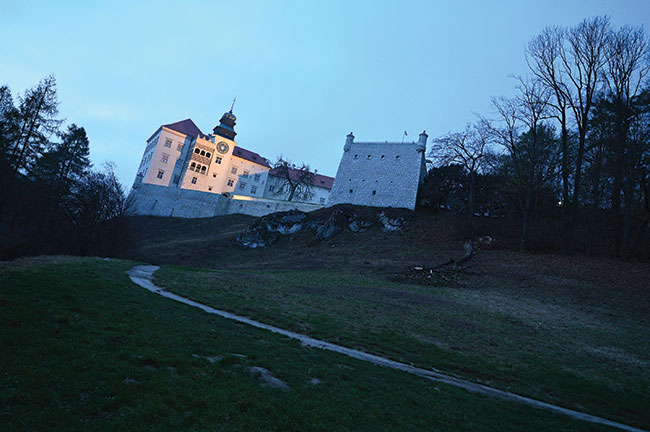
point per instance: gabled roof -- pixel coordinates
(250, 156)
(319, 179)
(186, 127)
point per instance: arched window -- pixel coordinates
(192, 166)
(202, 170)
(202, 152)
(197, 151)
(208, 154)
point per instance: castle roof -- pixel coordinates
(186, 127)
(319, 179)
(250, 156)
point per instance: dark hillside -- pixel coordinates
(429, 239)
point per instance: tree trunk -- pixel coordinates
(524, 222)
(619, 168)
(628, 193)
(577, 184)
(565, 165)
(470, 199)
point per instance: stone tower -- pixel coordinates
(380, 174)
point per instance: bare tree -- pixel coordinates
(95, 208)
(544, 61)
(468, 149)
(531, 151)
(295, 180)
(627, 61)
(583, 57)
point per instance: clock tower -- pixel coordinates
(226, 126)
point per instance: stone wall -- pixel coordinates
(264, 207)
(153, 200)
(379, 174)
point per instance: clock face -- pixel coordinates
(223, 147)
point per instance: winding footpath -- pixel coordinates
(143, 275)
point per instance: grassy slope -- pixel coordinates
(575, 354)
(83, 348)
(568, 330)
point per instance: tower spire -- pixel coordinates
(226, 127)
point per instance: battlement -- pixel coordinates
(385, 142)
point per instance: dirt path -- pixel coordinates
(142, 275)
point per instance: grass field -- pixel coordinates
(85, 349)
(580, 354)
(569, 330)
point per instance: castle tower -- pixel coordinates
(226, 126)
(348, 142)
(422, 142)
(380, 174)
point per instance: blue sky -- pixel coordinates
(305, 73)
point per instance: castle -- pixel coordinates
(186, 173)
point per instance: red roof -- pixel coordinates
(319, 179)
(186, 127)
(250, 156)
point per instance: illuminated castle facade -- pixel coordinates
(179, 158)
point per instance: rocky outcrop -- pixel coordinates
(327, 224)
(266, 230)
(391, 224)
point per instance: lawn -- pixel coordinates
(84, 348)
(580, 347)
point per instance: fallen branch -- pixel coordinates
(469, 253)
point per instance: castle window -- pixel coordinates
(203, 170)
(177, 178)
(208, 154)
(192, 165)
(356, 156)
(168, 143)
(374, 192)
(245, 174)
(164, 158)
(253, 189)
(194, 180)
(242, 185)
(197, 151)
(382, 156)
(161, 173)
(214, 175)
(322, 200)
(257, 177)
(231, 182)
(369, 156)
(179, 147)
(397, 157)
(202, 152)
(351, 190)
(218, 160)
(209, 188)
(271, 187)
(234, 170)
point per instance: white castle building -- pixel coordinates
(380, 174)
(186, 173)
